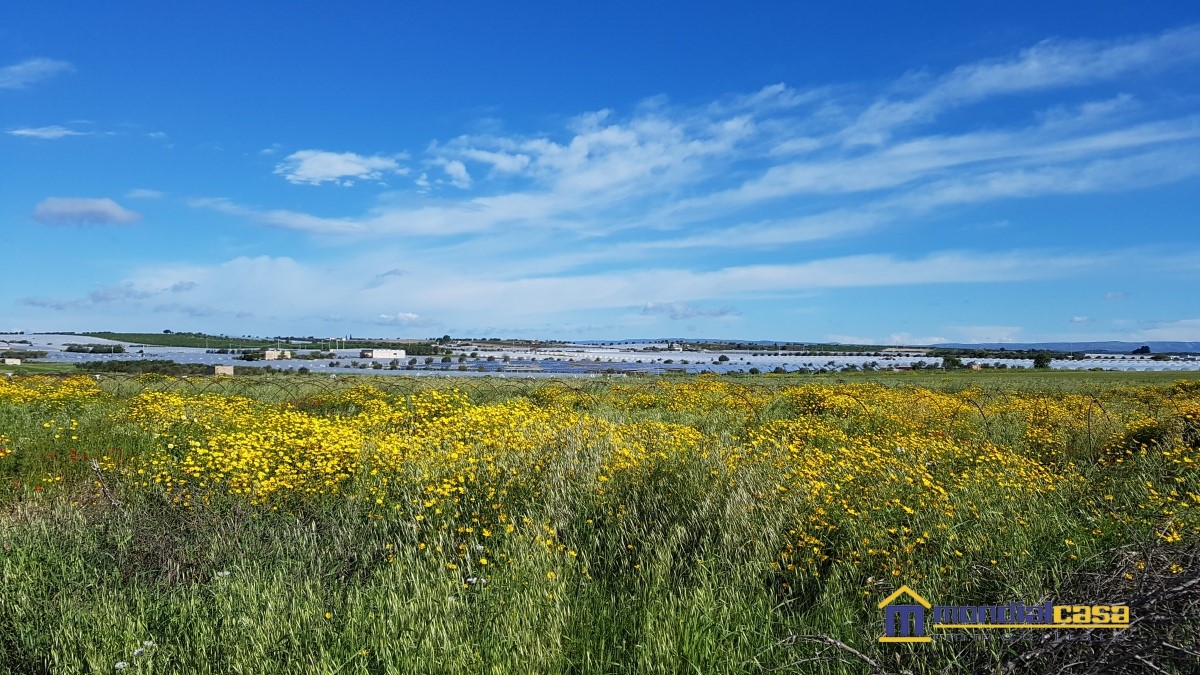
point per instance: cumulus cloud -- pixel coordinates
(677, 311)
(82, 211)
(456, 172)
(31, 71)
(47, 133)
(314, 167)
(1080, 319)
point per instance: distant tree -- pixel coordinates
(428, 360)
(722, 358)
(951, 363)
(755, 371)
(167, 331)
(1144, 349)
(446, 359)
(1041, 360)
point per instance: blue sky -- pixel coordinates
(870, 173)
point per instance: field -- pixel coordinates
(659, 525)
(181, 340)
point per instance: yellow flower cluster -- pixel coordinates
(43, 389)
(860, 475)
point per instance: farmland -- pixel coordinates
(690, 524)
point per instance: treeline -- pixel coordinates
(22, 354)
(169, 367)
(1003, 353)
(96, 349)
(159, 366)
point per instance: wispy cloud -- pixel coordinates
(664, 171)
(1049, 64)
(47, 133)
(678, 310)
(31, 71)
(281, 218)
(144, 193)
(82, 211)
(314, 167)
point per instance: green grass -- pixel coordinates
(683, 582)
(36, 368)
(184, 340)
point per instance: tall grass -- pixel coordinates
(672, 562)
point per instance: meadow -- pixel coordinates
(659, 525)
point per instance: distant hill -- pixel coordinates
(1114, 347)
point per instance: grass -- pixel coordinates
(35, 368)
(634, 525)
(183, 340)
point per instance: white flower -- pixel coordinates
(223, 573)
(478, 547)
(148, 643)
(138, 652)
(122, 665)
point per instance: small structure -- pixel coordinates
(276, 354)
(381, 354)
(220, 370)
(12, 362)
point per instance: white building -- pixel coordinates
(381, 354)
(276, 354)
(12, 362)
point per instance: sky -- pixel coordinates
(873, 172)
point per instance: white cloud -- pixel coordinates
(288, 220)
(31, 71)
(82, 211)
(456, 171)
(398, 319)
(47, 133)
(1080, 319)
(1183, 330)
(314, 167)
(143, 193)
(1052, 63)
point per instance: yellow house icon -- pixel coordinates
(904, 623)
